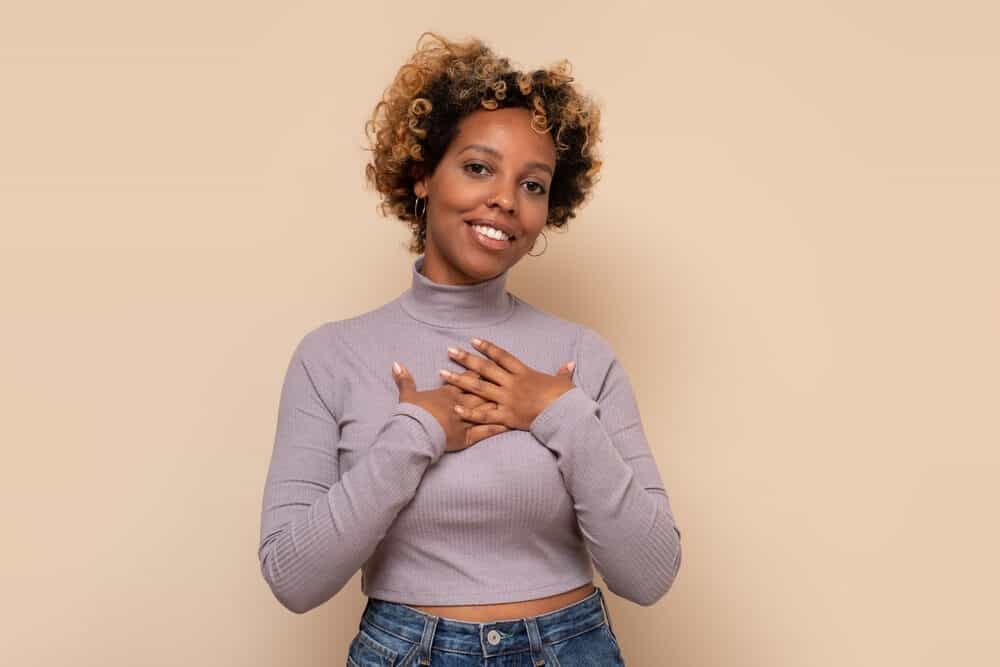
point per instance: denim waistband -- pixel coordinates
(486, 638)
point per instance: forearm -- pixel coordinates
(316, 536)
(630, 530)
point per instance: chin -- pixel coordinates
(480, 265)
(483, 267)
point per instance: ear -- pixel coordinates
(420, 187)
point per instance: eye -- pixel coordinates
(476, 164)
(471, 168)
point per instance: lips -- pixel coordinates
(495, 225)
(485, 241)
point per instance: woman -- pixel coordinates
(476, 506)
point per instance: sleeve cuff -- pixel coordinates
(432, 427)
(569, 406)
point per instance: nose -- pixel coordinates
(502, 201)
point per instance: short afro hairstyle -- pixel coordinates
(444, 81)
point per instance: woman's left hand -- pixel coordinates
(516, 393)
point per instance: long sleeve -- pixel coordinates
(621, 503)
(318, 526)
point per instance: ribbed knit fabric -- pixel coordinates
(358, 479)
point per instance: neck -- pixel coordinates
(453, 306)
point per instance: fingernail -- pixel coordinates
(396, 368)
(444, 373)
(477, 342)
(571, 365)
(452, 351)
(459, 410)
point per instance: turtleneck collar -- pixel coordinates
(455, 306)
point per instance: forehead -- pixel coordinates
(508, 130)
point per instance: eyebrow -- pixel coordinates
(498, 154)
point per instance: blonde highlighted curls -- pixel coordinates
(419, 113)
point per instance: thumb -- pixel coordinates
(566, 369)
(404, 381)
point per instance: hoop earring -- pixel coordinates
(417, 203)
(546, 246)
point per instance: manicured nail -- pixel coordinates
(452, 351)
(477, 342)
(571, 365)
(396, 368)
(459, 410)
(444, 373)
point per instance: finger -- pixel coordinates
(566, 369)
(483, 367)
(502, 357)
(461, 395)
(467, 400)
(472, 401)
(475, 385)
(488, 413)
(404, 381)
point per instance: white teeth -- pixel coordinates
(491, 232)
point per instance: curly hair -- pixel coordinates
(419, 113)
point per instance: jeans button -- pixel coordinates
(493, 637)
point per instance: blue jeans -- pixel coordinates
(395, 635)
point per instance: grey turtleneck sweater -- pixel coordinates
(358, 479)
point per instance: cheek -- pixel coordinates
(535, 208)
(455, 193)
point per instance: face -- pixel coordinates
(496, 169)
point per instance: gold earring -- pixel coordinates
(546, 245)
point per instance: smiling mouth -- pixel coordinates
(510, 238)
(487, 242)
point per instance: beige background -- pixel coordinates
(793, 250)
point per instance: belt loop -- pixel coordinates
(364, 613)
(604, 608)
(427, 640)
(535, 641)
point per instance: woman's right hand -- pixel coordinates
(441, 402)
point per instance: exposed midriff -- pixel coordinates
(484, 613)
